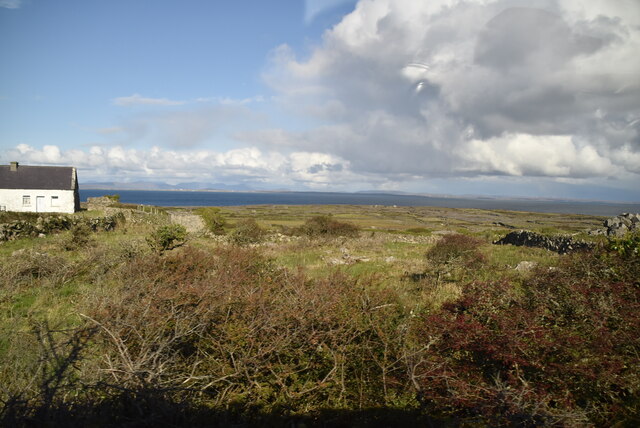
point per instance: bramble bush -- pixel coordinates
(455, 256)
(560, 350)
(456, 248)
(247, 232)
(232, 326)
(167, 237)
(325, 226)
(79, 237)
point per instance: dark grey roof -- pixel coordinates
(38, 177)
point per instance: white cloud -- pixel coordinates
(470, 88)
(523, 154)
(11, 4)
(137, 99)
(243, 101)
(306, 169)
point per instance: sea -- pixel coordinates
(168, 198)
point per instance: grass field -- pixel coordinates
(276, 320)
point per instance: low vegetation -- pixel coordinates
(349, 321)
(167, 237)
(247, 232)
(79, 237)
(213, 219)
(325, 226)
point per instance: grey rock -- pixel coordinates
(525, 266)
(622, 224)
(621, 230)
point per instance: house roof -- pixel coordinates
(38, 177)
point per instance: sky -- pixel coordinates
(475, 97)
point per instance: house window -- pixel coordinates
(54, 201)
(26, 201)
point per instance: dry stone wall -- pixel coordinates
(558, 244)
(193, 223)
(145, 214)
(45, 225)
(617, 226)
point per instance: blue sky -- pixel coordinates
(495, 97)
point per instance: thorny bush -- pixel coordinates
(247, 232)
(80, 237)
(454, 256)
(167, 237)
(232, 326)
(562, 350)
(325, 226)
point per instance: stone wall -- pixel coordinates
(140, 215)
(45, 225)
(192, 222)
(558, 244)
(99, 203)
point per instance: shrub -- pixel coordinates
(628, 246)
(80, 237)
(167, 237)
(325, 226)
(229, 325)
(129, 250)
(247, 232)
(454, 256)
(561, 349)
(106, 223)
(213, 219)
(456, 248)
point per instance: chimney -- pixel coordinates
(14, 166)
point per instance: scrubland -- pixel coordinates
(320, 316)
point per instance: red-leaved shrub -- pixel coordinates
(561, 349)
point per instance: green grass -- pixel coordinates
(22, 304)
(308, 259)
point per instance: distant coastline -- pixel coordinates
(191, 198)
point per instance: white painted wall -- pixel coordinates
(11, 200)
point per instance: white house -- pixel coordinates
(41, 189)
